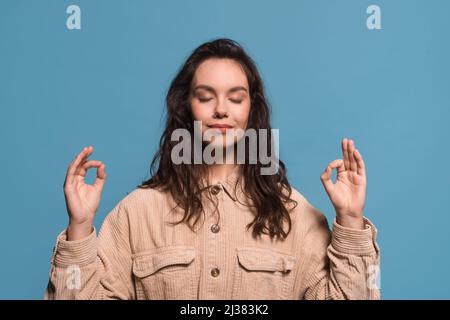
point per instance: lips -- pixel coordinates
(221, 127)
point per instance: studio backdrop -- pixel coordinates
(79, 73)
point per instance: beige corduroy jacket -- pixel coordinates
(138, 254)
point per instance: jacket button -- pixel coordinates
(215, 272)
(215, 228)
(215, 189)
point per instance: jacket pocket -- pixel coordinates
(167, 273)
(263, 274)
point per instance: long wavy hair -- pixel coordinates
(269, 195)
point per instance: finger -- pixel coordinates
(101, 177)
(81, 157)
(360, 162)
(326, 180)
(326, 175)
(339, 164)
(353, 165)
(345, 153)
(78, 159)
(82, 169)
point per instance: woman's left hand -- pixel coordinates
(348, 194)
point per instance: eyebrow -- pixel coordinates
(211, 89)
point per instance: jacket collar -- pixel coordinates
(230, 185)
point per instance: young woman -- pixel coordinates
(221, 230)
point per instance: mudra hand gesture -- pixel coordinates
(82, 199)
(349, 192)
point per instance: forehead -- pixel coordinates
(220, 74)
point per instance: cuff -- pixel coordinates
(79, 252)
(354, 241)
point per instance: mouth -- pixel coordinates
(221, 127)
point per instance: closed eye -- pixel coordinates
(204, 99)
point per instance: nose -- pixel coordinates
(220, 110)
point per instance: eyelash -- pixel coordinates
(208, 99)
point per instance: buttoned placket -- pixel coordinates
(214, 275)
(214, 282)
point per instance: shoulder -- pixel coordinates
(143, 197)
(307, 218)
(140, 203)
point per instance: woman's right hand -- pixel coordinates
(82, 199)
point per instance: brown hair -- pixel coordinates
(269, 194)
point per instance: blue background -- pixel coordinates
(327, 77)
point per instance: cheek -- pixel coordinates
(199, 112)
(241, 115)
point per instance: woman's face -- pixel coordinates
(219, 97)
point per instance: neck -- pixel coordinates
(219, 172)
